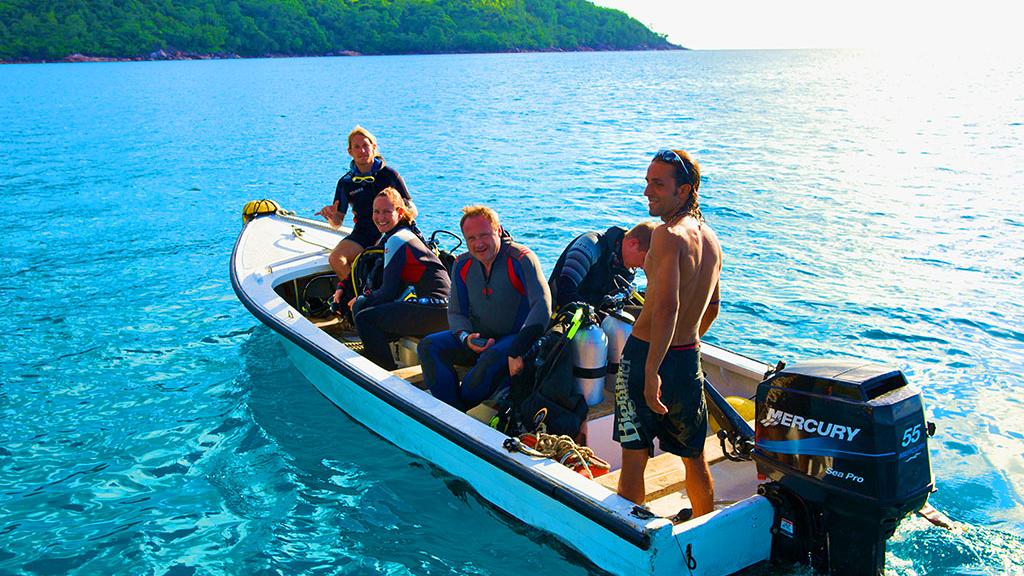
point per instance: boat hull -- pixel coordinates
(583, 514)
(706, 538)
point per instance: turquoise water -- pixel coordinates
(869, 206)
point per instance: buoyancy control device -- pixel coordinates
(844, 446)
(546, 392)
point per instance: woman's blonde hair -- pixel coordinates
(407, 209)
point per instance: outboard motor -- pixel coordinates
(589, 356)
(617, 326)
(845, 447)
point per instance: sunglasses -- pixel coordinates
(670, 157)
(360, 179)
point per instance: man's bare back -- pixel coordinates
(686, 259)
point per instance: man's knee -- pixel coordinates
(339, 263)
(433, 346)
(489, 374)
(491, 357)
(371, 324)
(437, 354)
(429, 342)
(696, 465)
(491, 369)
(425, 346)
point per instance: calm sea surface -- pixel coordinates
(869, 206)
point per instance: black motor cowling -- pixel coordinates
(844, 445)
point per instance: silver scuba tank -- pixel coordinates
(590, 361)
(617, 326)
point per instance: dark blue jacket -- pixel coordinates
(586, 270)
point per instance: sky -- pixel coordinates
(741, 24)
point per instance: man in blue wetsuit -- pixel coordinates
(592, 264)
(367, 176)
(499, 306)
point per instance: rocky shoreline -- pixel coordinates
(160, 55)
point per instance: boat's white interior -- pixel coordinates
(733, 375)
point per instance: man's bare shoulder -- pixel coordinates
(708, 233)
(667, 237)
(683, 232)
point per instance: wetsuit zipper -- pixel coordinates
(487, 281)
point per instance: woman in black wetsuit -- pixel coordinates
(413, 297)
(366, 177)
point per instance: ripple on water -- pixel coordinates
(149, 428)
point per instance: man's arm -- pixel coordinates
(403, 191)
(331, 214)
(711, 312)
(663, 301)
(580, 256)
(340, 205)
(458, 307)
(539, 297)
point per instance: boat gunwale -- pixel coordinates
(550, 487)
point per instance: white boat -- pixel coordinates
(278, 255)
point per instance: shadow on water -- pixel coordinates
(371, 503)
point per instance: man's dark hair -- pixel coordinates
(692, 205)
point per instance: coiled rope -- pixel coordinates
(561, 449)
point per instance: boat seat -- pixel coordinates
(405, 351)
(412, 375)
(665, 473)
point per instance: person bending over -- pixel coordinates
(499, 305)
(588, 267)
(413, 297)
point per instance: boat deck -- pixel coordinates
(664, 476)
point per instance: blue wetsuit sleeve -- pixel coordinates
(400, 186)
(579, 257)
(402, 190)
(391, 286)
(458, 305)
(340, 197)
(539, 296)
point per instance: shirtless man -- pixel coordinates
(659, 392)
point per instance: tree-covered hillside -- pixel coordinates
(53, 29)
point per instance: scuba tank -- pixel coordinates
(589, 355)
(617, 327)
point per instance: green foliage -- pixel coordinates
(53, 29)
